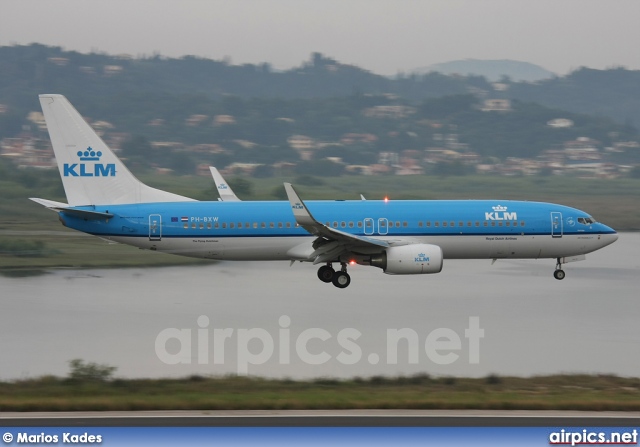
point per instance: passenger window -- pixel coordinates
(485, 224)
(193, 226)
(405, 224)
(461, 224)
(217, 225)
(477, 223)
(493, 224)
(453, 224)
(271, 225)
(201, 226)
(429, 223)
(335, 224)
(397, 224)
(359, 224)
(420, 224)
(288, 224)
(209, 226)
(224, 225)
(507, 224)
(390, 224)
(255, 225)
(469, 223)
(186, 226)
(522, 223)
(232, 225)
(279, 224)
(437, 224)
(247, 225)
(350, 224)
(263, 225)
(343, 224)
(444, 224)
(499, 224)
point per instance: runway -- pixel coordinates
(323, 418)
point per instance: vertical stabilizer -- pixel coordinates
(91, 173)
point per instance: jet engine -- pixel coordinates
(410, 259)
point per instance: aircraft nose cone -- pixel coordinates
(609, 237)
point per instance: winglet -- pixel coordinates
(304, 218)
(225, 191)
(300, 211)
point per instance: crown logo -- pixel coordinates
(421, 255)
(89, 155)
(499, 208)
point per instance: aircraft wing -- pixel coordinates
(331, 242)
(225, 191)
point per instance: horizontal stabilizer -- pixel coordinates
(63, 207)
(52, 205)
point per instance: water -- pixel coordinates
(533, 324)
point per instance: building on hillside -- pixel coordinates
(560, 123)
(391, 112)
(496, 105)
(223, 120)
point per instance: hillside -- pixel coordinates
(322, 118)
(493, 70)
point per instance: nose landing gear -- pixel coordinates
(559, 273)
(340, 279)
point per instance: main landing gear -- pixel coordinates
(340, 279)
(559, 273)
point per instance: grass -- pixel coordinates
(557, 392)
(70, 249)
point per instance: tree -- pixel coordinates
(90, 372)
(241, 186)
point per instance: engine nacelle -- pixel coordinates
(411, 259)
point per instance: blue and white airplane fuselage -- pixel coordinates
(400, 237)
(268, 231)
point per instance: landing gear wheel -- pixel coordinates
(559, 273)
(341, 280)
(325, 273)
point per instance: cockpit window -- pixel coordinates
(586, 220)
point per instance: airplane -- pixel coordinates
(398, 236)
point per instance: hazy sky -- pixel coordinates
(384, 36)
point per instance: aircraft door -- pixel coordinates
(155, 227)
(556, 224)
(383, 226)
(368, 226)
